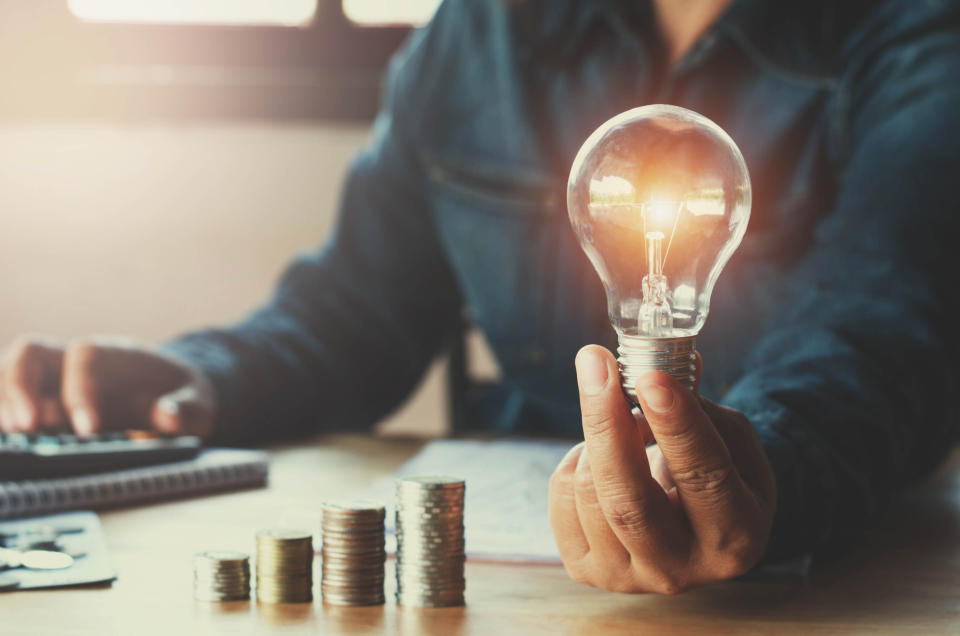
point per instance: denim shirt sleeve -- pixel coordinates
(854, 388)
(352, 327)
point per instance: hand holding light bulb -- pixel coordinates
(659, 197)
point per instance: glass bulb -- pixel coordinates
(659, 197)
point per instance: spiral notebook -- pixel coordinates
(215, 469)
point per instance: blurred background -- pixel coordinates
(161, 160)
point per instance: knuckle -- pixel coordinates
(650, 578)
(625, 515)
(731, 567)
(678, 430)
(661, 580)
(616, 581)
(583, 479)
(735, 556)
(556, 479)
(598, 423)
(704, 479)
(669, 585)
(577, 572)
(560, 480)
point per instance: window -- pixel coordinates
(369, 13)
(378, 12)
(184, 59)
(237, 12)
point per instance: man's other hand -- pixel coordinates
(692, 509)
(100, 384)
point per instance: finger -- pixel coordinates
(710, 488)
(659, 470)
(50, 413)
(745, 448)
(634, 505)
(645, 434)
(6, 418)
(28, 370)
(79, 390)
(567, 531)
(184, 411)
(606, 549)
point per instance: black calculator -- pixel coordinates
(46, 456)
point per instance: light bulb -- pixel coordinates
(659, 197)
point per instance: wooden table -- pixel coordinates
(904, 579)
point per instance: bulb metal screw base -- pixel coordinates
(639, 354)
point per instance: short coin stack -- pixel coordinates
(353, 553)
(284, 566)
(221, 576)
(430, 546)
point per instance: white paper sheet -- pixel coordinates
(505, 514)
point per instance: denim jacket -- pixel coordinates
(832, 328)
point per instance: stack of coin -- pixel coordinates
(430, 547)
(353, 553)
(284, 566)
(221, 576)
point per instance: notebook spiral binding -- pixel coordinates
(211, 471)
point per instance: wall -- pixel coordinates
(149, 230)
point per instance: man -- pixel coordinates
(830, 341)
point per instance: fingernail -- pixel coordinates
(657, 397)
(82, 422)
(169, 406)
(591, 371)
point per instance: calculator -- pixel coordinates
(47, 456)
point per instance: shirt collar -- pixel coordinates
(802, 39)
(797, 39)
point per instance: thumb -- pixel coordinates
(618, 458)
(183, 412)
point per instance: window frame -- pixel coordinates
(54, 64)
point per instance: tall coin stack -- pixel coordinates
(430, 546)
(284, 566)
(221, 576)
(353, 553)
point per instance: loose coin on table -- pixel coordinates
(34, 559)
(430, 543)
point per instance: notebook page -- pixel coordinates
(505, 513)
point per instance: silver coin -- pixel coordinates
(430, 505)
(355, 506)
(352, 570)
(432, 594)
(406, 495)
(214, 598)
(431, 482)
(412, 601)
(222, 556)
(45, 560)
(284, 534)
